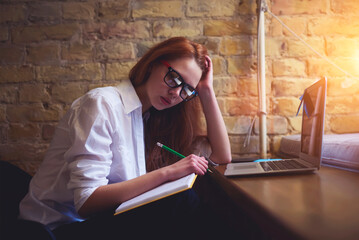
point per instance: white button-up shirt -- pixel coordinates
(99, 141)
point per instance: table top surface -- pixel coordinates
(319, 205)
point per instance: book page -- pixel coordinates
(159, 192)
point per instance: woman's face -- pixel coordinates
(160, 95)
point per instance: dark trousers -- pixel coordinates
(175, 217)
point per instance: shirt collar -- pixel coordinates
(129, 97)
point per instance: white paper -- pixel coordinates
(158, 193)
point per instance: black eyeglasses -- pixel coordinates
(174, 80)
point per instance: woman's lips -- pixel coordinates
(165, 101)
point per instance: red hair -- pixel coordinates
(178, 126)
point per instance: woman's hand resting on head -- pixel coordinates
(206, 82)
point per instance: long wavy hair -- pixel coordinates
(178, 126)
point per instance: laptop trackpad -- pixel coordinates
(243, 168)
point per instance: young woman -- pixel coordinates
(103, 151)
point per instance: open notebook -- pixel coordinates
(162, 191)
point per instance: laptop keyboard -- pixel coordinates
(281, 165)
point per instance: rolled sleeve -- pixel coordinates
(90, 156)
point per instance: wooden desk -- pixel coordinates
(321, 205)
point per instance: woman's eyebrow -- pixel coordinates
(181, 75)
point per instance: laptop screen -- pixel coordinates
(313, 122)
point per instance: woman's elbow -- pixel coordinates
(223, 159)
(226, 160)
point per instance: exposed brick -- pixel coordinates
(210, 8)
(290, 86)
(3, 130)
(342, 47)
(67, 93)
(297, 49)
(24, 152)
(224, 86)
(16, 74)
(172, 9)
(236, 46)
(241, 106)
(8, 93)
(249, 87)
(289, 67)
(274, 47)
(275, 125)
(286, 106)
(121, 29)
(24, 131)
(29, 34)
(239, 145)
(118, 71)
(43, 54)
(33, 93)
(3, 113)
(320, 67)
(211, 43)
(143, 46)
(344, 7)
(45, 11)
(52, 52)
(342, 86)
(39, 33)
(11, 54)
(77, 51)
(344, 123)
(4, 34)
(247, 7)
(113, 9)
(48, 131)
(114, 49)
(32, 112)
(174, 28)
(219, 65)
(237, 125)
(296, 124)
(344, 104)
(88, 72)
(297, 24)
(332, 26)
(78, 10)
(241, 65)
(299, 7)
(275, 144)
(12, 13)
(229, 27)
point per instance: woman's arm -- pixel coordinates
(110, 196)
(216, 129)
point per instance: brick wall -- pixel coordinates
(52, 52)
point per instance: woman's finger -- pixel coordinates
(202, 164)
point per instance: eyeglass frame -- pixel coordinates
(183, 83)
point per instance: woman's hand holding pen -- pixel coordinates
(187, 165)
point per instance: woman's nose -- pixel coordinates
(175, 92)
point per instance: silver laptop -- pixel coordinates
(313, 104)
